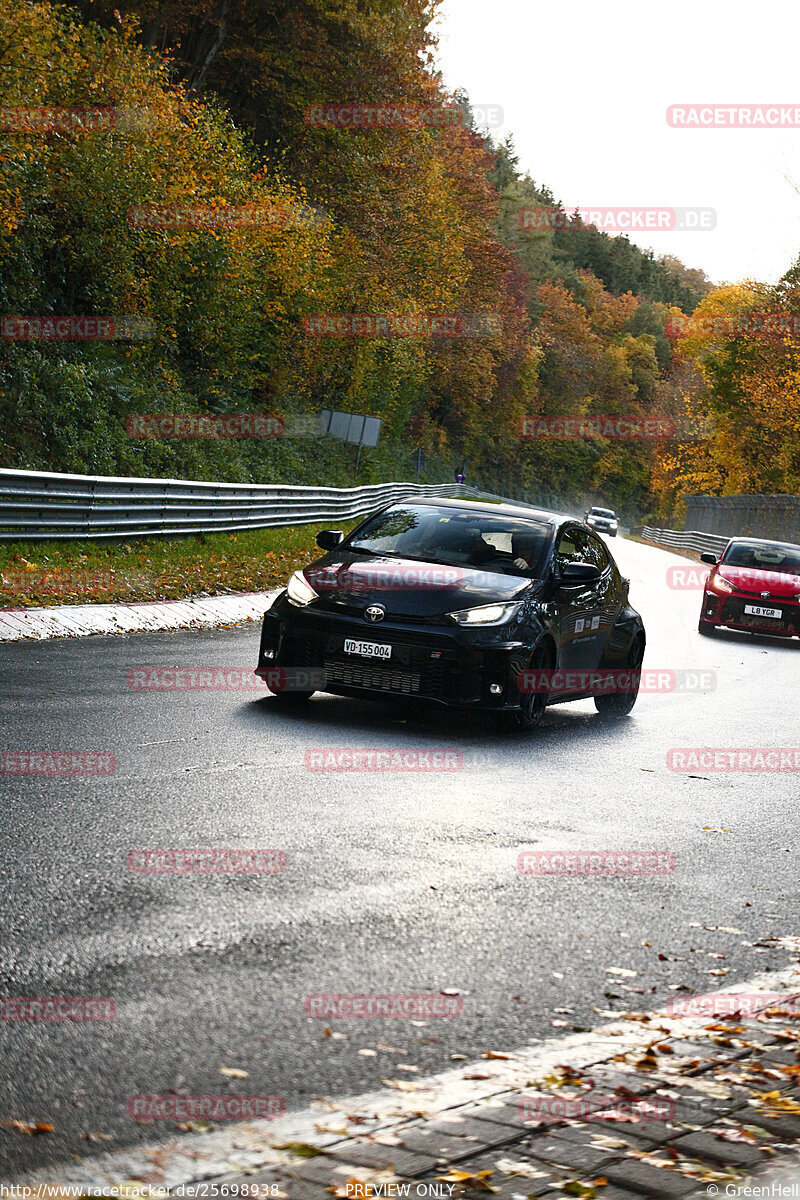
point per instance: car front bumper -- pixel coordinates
(728, 611)
(453, 667)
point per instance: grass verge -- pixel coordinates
(33, 574)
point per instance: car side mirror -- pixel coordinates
(328, 539)
(579, 572)
(709, 557)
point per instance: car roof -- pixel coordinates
(757, 541)
(489, 508)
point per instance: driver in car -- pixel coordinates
(523, 548)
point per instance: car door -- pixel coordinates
(608, 594)
(583, 607)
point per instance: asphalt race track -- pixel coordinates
(394, 882)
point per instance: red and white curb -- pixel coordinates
(82, 620)
(245, 1147)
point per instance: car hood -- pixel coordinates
(756, 580)
(407, 587)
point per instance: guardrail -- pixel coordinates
(690, 539)
(39, 505)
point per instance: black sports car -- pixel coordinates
(474, 604)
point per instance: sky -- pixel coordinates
(584, 89)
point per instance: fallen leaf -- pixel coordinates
(526, 1170)
(603, 1142)
(621, 971)
(301, 1149)
(734, 1135)
(478, 1181)
(778, 1102)
(234, 1073)
(31, 1129)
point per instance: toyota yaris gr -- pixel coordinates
(476, 605)
(755, 586)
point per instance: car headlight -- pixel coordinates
(299, 590)
(487, 614)
(718, 584)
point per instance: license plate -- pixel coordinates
(756, 610)
(367, 649)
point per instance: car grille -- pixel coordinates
(413, 669)
(734, 611)
(383, 679)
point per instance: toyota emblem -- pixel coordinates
(765, 595)
(374, 612)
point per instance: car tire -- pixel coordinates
(533, 705)
(705, 628)
(620, 704)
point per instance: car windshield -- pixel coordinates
(602, 512)
(504, 545)
(763, 556)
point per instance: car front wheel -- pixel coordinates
(530, 713)
(619, 704)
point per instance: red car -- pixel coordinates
(755, 586)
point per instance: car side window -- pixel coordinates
(572, 547)
(596, 553)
